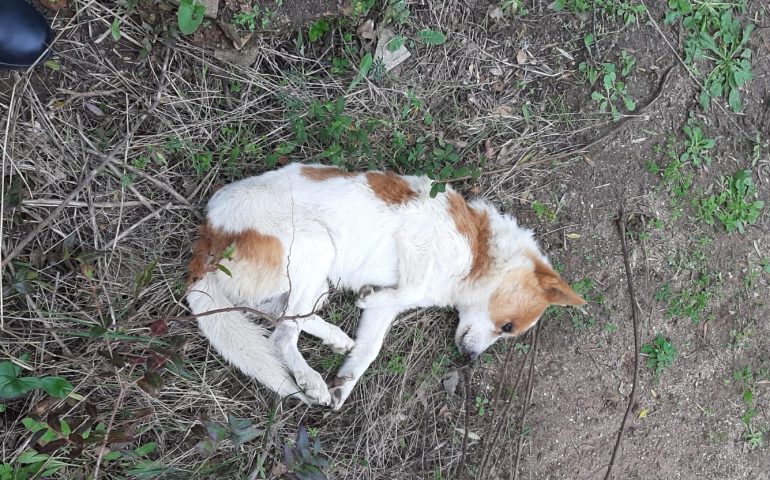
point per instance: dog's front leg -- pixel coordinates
(372, 329)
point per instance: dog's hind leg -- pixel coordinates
(374, 325)
(310, 258)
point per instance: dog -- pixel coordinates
(277, 241)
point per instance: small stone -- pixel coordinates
(243, 58)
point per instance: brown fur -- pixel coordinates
(474, 225)
(518, 300)
(390, 188)
(250, 245)
(525, 293)
(320, 174)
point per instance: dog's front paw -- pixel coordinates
(342, 345)
(342, 387)
(313, 386)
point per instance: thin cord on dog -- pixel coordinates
(621, 220)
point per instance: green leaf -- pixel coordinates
(317, 30)
(363, 70)
(431, 37)
(734, 99)
(395, 43)
(588, 40)
(748, 397)
(145, 449)
(189, 16)
(56, 387)
(115, 29)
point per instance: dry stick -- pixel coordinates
(528, 400)
(110, 424)
(637, 339)
(464, 449)
(497, 427)
(94, 172)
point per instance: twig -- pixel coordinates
(464, 449)
(527, 401)
(56, 202)
(95, 171)
(110, 424)
(133, 227)
(621, 220)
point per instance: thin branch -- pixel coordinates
(621, 220)
(527, 401)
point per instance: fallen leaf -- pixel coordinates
(521, 56)
(489, 152)
(496, 71)
(158, 327)
(573, 236)
(366, 30)
(643, 413)
(93, 109)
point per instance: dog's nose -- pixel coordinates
(469, 355)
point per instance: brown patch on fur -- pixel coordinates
(519, 300)
(390, 188)
(524, 294)
(320, 174)
(250, 245)
(474, 225)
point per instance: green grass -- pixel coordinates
(660, 354)
(747, 379)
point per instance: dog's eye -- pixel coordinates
(507, 327)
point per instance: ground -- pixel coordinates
(505, 102)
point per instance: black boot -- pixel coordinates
(24, 34)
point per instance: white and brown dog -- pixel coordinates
(297, 230)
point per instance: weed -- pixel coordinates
(303, 460)
(614, 90)
(481, 405)
(734, 206)
(189, 16)
(589, 72)
(747, 380)
(397, 11)
(627, 11)
(30, 465)
(237, 430)
(660, 354)
(691, 301)
(627, 62)
(317, 29)
(542, 212)
(610, 328)
(521, 348)
(713, 34)
(514, 7)
(13, 385)
(396, 365)
(697, 146)
(258, 16)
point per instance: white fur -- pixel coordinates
(338, 232)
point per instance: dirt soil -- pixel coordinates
(88, 298)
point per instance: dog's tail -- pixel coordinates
(240, 341)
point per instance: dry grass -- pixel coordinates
(72, 301)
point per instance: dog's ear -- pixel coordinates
(556, 290)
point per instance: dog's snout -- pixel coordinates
(469, 355)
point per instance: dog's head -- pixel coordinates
(513, 304)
